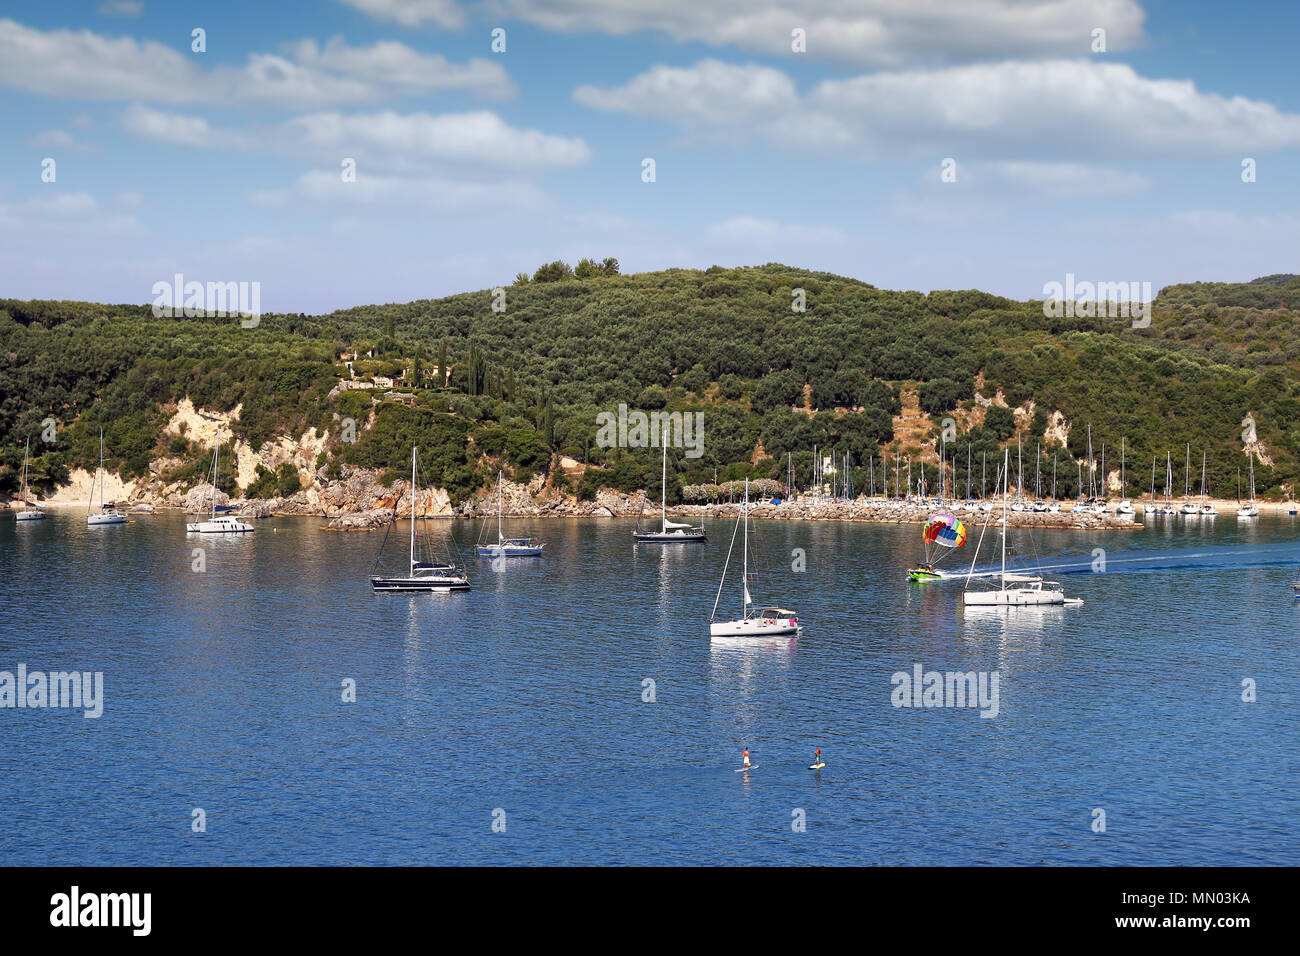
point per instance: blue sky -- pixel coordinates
(473, 165)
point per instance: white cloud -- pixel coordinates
(1079, 107)
(120, 8)
(872, 32)
(477, 137)
(1067, 179)
(174, 129)
(403, 68)
(325, 188)
(87, 65)
(742, 229)
(471, 142)
(58, 139)
(55, 216)
(709, 95)
(412, 13)
(1230, 225)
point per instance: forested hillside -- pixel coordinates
(525, 383)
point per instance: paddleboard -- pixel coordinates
(747, 769)
(818, 766)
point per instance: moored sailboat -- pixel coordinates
(1125, 506)
(1014, 590)
(421, 575)
(29, 511)
(108, 514)
(760, 621)
(508, 547)
(670, 532)
(1207, 510)
(218, 523)
(1250, 509)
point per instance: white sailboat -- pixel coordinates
(760, 621)
(1125, 507)
(1150, 508)
(508, 547)
(1014, 590)
(1207, 510)
(1188, 509)
(30, 511)
(670, 532)
(1250, 509)
(217, 524)
(107, 513)
(427, 575)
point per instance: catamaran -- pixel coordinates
(761, 621)
(1250, 509)
(223, 523)
(107, 513)
(30, 510)
(670, 532)
(428, 575)
(508, 547)
(1014, 590)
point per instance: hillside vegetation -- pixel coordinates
(525, 384)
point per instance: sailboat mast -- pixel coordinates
(1123, 485)
(663, 486)
(744, 573)
(216, 453)
(101, 467)
(1006, 465)
(411, 572)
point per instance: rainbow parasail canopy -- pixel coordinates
(944, 530)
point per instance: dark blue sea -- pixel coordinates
(520, 703)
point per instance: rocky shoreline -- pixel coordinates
(359, 501)
(363, 506)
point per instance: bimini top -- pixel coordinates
(677, 526)
(1022, 578)
(777, 612)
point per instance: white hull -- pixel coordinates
(668, 537)
(1013, 597)
(506, 551)
(440, 583)
(29, 516)
(1248, 512)
(219, 526)
(755, 627)
(108, 517)
(1124, 508)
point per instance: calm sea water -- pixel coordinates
(223, 692)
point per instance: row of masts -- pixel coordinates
(832, 476)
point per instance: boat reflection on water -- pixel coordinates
(785, 642)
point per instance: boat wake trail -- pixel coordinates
(1138, 562)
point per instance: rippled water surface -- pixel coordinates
(223, 692)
